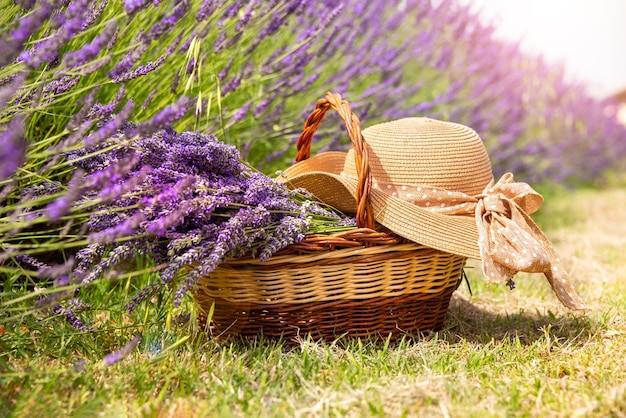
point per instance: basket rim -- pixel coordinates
(338, 253)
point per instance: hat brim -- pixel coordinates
(320, 175)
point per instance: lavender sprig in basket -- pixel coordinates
(189, 202)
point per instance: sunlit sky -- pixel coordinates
(588, 36)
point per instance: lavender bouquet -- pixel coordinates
(189, 202)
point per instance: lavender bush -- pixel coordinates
(74, 74)
(439, 60)
(60, 90)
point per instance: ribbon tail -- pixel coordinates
(557, 275)
(565, 292)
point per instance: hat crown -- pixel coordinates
(423, 151)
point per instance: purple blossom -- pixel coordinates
(146, 103)
(26, 4)
(101, 111)
(74, 138)
(110, 260)
(70, 310)
(62, 205)
(290, 230)
(133, 6)
(9, 87)
(92, 49)
(175, 82)
(247, 15)
(166, 23)
(104, 172)
(261, 108)
(241, 113)
(142, 70)
(232, 85)
(27, 259)
(11, 44)
(59, 86)
(230, 11)
(13, 145)
(172, 48)
(143, 295)
(224, 71)
(48, 49)
(163, 119)
(122, 353)
(128, 61)
(86, 258)
(113, 191)
(191, 66)
(124, 228)
(109, 128)
(85, 104)
(169, 195)
(94, 12)
(219, 43)
(207, 9)
(58, 272)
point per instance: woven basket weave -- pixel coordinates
(363, 282)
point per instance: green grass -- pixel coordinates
(502, 353)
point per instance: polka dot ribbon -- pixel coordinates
(509, 240)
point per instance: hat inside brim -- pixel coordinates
(321, 176)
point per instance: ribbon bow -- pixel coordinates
(510, 241)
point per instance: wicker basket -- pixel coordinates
(364, 282)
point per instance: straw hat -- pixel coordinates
(431, 182)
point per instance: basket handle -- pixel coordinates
(364, 211)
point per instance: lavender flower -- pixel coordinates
(124, 228)
(92, 49)
(25, 258)
(48, 50)
(62, 206)
(207, 9)
(11, 45)
(114, 190)
(165, 24)
(70, 310)
(146, 103)
(133, 6)
(240, 113)
(224, 71)
(60, 86)
(127, 61)
(163, 119)
(13, 146)
(110, 127)
(140, 71)
(122, 353)
(247, 15)
(58, 272)
(94, 12)
(9, 87)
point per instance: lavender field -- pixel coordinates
(142, 137)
